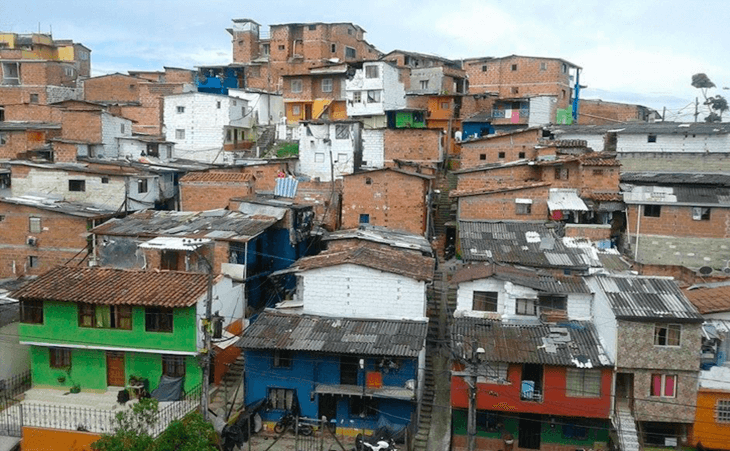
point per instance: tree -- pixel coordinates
(192, 433)
(717, 104)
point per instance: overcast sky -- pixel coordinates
(638, 51)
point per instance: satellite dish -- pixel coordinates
(705, 270)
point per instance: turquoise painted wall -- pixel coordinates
(88, 369)
(61, 326)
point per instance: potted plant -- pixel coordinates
(75, 389)
(61, 379)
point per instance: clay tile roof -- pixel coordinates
(216, 177)
(405, 263)
(710, 298)
(495, 189)
(604, 197)
(109, 286)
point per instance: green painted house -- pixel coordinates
(97, 327)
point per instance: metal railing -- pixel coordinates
(15, 385)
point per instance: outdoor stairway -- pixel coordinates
(266, 139)
(626, 427)
(225, 394)
(425, 415)
(444, 210)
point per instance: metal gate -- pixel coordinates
(11, 412)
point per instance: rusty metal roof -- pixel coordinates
(572, 343)
(535, 279)
(225, 177)
(110, 286)
(215, 224)
(647, 298)
(710, 297)
(522, 243)
(275, 330)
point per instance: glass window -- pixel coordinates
(158, 319)
(653, 211)
(173, 365)
(664, 385)
(373, 96)
(371, 71)
(526, 307)
(142, 186)
(357, 97)
(282, 358)
(11, 73)
(667, 334)
(281, 398)
(180, 133)
(523, 209)
(31, 312)
(326, 85)
(485, 301)
(700, 213)
(364, 218)
(296, 85)
(581, 383)
(105, 316)
(34, 224)
(60, 357)
(77, 185)
(350, 53)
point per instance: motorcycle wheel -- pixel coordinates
(279, 428)
(306, 430)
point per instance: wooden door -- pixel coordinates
(115, 369)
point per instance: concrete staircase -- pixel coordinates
(625, 425)
(266, 139)
(225, 394)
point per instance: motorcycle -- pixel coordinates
(374, 443)
(291, 421)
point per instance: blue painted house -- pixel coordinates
(219, 79)
(356, 372)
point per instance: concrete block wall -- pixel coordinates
(681, 250)
(675, 162)
(349, 291)
(113, 128)
(373, 148)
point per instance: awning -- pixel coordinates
(403, 393)
(565, 199)
(174, 243)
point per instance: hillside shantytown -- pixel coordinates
(449, 254)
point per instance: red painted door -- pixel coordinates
(115, 369)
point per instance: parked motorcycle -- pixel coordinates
(289, 420)
(374, 443)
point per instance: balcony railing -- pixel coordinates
(500, 114)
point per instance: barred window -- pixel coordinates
(722, 411)
(158, 319)
(173, 365)
(60, 357)
(494, 372)
(281, 398)
(580, 383)
(342, 131)
(485, 301)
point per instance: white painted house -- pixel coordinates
(375, 88)
(267, 108)
(329, 149)
(364, 282)
(520, 295)
(207, 128)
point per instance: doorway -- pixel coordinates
(529, 432)
(115, 376)
(624, 390)
(328, 406)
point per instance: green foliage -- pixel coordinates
(288, 150)
(192, 433)
(716, 105)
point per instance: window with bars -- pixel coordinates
(526, 307)
(105, 316)
(281, 398)
(722, 411)
(494, 372)
(31, 312)
(371, 71)
(34, 224)
(59, 357)
(485, 301)
(553, 302)
(664, 385)
(282, 358)
(667, 334)
(580, 383)
(158, 319)
(173, 365)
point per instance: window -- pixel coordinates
(653, 211)
(281, 398)
(526, 307)
(326, 85)
(561, 173)
(59, 357)
(371, 71)
(69, 71)
(523, 208)
(500, 155)
(105, 180)
(105, 316)
(296, 110)
(565, 68)
(34, 98)
(11, 74)
(553, 302)
(597, 172)
(514, 67)
(373, 96)
(543, 66)
(281, 47)
(562, 94)
(521, 155)
(363, 407)
(34, 224)
(651, 138)
(357, 97)
(700, 213)
(364, 218)
(722, 411)
(341, 158)
(485, 301)
(312, 27)
(342, 131)
(296, 85)
(218, 104)
(181, 109)
(158, 319)
(572, 431)
(580, 383)
(282, 358)
(350, 53)
(667, 334)
(482, 156)
(180, 133)
(664, 385)
(3, 139)
(495, 372)
(424, 84)
(484, 68)
(266, 49)
(173, 365)
(2, 114)
(31, 312)
(319, 157)
(515, 90)
(121, 128)
(77, 185)
(32, 261)
(333, 48)
(368, 181)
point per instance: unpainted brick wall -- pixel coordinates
(502, 206)
(484, 151)
(412, 144)
(506, 176)
(199, 196)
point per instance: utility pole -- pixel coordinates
(471, 380)
(207, 341)
(697, 107)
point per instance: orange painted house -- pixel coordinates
(712, 417)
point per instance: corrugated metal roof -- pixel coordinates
(522, 243)
(682, 194)
(572, 343)
(565, 199)
(537, 280)
(189, 224)
(111, 286)
(659, 128)
(379, 337)
(59, 206)
(286, 187)
(676, 178)
(383, 235)
(224, 177)
(647, 298)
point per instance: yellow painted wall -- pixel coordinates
(706, 430)
(294, 118)
(8, 38)
(338, 110)
(65, 53)
(39, 439)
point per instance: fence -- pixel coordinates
(11, 423)
(15, 385)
